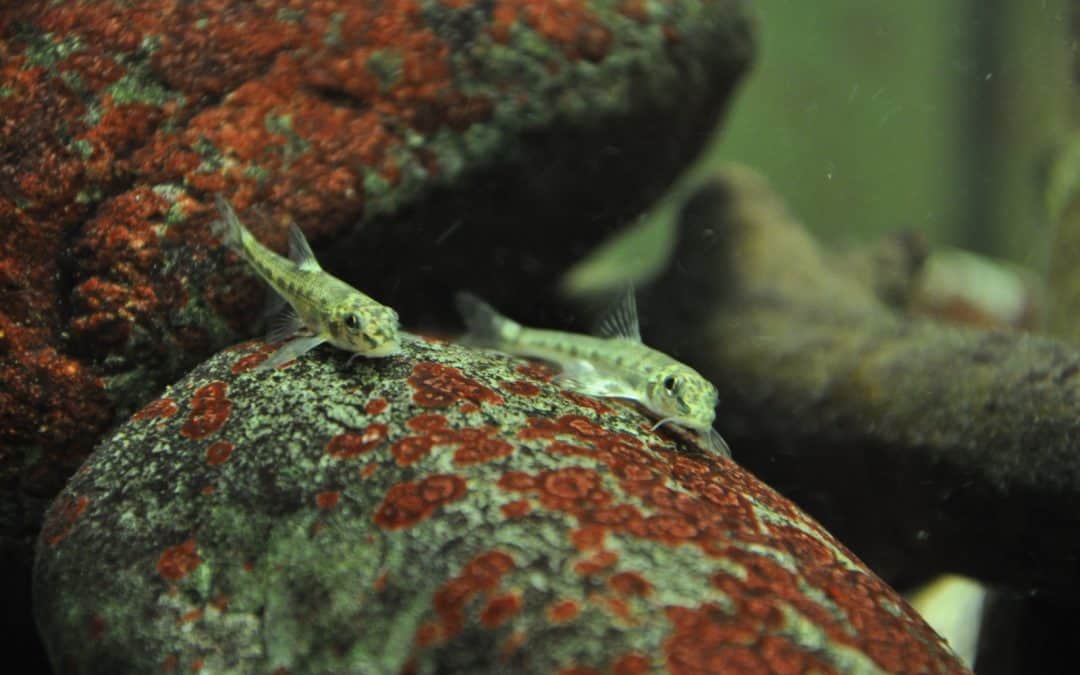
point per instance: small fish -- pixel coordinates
(613, 363)
(310, 305)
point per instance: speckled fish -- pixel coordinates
(613, 363)
(311, 306)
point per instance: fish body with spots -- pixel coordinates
(314, 306)
(614, 363)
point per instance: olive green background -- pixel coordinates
(871, 116)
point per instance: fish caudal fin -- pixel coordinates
(485, 326)
(228, 227)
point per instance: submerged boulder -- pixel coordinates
(444, 510)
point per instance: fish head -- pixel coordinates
(681, 395)
(366, 327)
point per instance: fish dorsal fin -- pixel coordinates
(300, 251)
(620, 319)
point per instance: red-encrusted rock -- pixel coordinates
(339, 518)
(450, 129)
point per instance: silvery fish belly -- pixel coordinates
(312, 306)
(614, 363)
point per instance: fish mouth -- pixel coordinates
(385, 349)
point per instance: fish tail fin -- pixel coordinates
(228, 227)
(485, 326)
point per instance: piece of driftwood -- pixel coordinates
(925, 447)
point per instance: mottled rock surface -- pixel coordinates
(445, 510)
(517, 131)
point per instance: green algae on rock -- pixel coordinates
(444, 510)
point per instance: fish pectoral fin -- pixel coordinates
(291, 350)
(283, 325)
(716, 442)
(620, 319)
(300, 251)
(583, 378)
(274, 304)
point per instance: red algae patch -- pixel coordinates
(482, 574)
(439, 386)
(246, 363)
(499, 610)
(376, 406)
(630, 583)
(412, 502)
(563, 611)
(177, 561)
(636, 664)
(597, 406)
(210, 409)
(328, 499)
(163, 407)
(218, 453)
(516, 509)
(350, 444)
(521, 388)
(62, 518)
(538, 370)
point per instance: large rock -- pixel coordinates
(516, 132)
(445, 510)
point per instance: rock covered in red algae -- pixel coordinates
(444, 510)
(119, 122)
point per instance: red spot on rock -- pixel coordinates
(481, 451)
(521, 388)
(210, 409)
(578, 670)
(163, 407)
(170, 662)
(538, 370)
(428, 634)
(376, 406)
(177, 561)
(468, 407)
(439, 386)
(380, 582)
(328, 499)
(246, 363)
(407, 504)
(369, 470)
(639, 664)
(62, 517)
(350, 444)
(588, 537)
(193, 615)
(630, 583)
(427, 422)
(97, 626)
(517, 481)
(411, 449)
(563, 611)
(482, 574)
(207, 490)
(596, 563)
(500, 609)
(218, 452)
(516, 509)
(597, 406)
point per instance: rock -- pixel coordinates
(517, 132)
(445, 510)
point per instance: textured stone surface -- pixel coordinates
(516, 131)
(445, 510)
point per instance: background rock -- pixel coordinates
(442, 510)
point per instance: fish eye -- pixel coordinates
(352, 322)
(669, 383)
